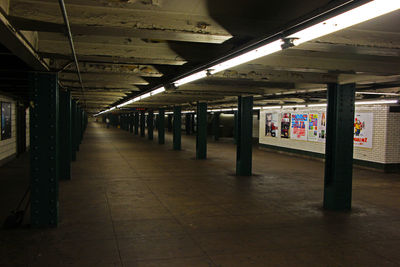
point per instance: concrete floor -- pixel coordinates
(132, 202)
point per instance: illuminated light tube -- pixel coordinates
(188, 111)
(168, 113)
(256, 108)
(249, 56)
(376, 93)
(349, 18)
(317, 105)
(191, 78)
(145, 96)
(295, 106)
(391, 101)
(272, 107)
(157, 91)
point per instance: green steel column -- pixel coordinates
(161, 126)
(136, 122)
(150, 125)
(193, 123)
(169, 123)
(44, 139)
(244, 136)
(131, 122)
(188, 125)
(79, 133)
(73, 130)
(65, 135)
(339, 147)
(201, 135)
(235, 128)
(216, 126)
(142, 124)
(83, 124)
(177, 125)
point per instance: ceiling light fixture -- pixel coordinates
(346, 19)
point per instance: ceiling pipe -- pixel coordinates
(71, 44)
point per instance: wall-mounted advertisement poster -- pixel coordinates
(313, 126)
(299, 126)
(5, 120)
(322, 127)
(363, 129)
(271, 124)
(285, 125)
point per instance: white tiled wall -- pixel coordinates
(9, 147)
(393, 138)
(386, 135)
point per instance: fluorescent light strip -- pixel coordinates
(317, 105)
(376, 102)
(272, 107)
(249, 56)
(376, 93)
(193, 77)
(157, 91)
(379, 102)
(347, 19)
(141, 97)
(294, 106)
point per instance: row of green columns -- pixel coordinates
(339, 142)
(57, 124)
(73, 130)
(65, 120)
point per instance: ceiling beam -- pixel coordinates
(152, 24)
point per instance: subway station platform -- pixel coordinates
(133, 202)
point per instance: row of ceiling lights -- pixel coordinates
(344, 20)
(374, 102)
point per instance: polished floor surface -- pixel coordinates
(132, 202)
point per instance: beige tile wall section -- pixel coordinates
(393, 138)
(383, 138)
(9, 147)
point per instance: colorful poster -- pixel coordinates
(363, 130)
(5, 120)
(313, 127)
(299, 126)
(271, 124)
(322, 127)
(285, 125)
